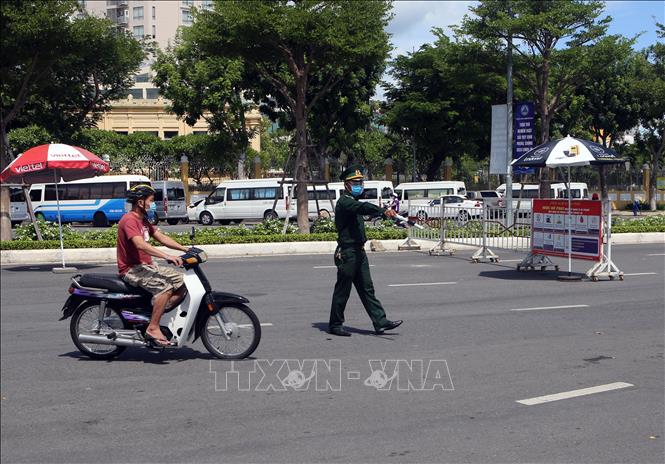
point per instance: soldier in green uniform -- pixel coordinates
(350, 256)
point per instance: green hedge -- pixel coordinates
(267, 232)
(643, 224)
(200, 240)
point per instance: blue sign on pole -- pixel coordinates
(524, 132)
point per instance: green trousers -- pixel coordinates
(353, 268)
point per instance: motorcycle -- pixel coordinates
(108, 315)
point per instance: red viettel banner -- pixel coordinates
(549, 228)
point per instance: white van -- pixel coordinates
(376, 192)
(236, 200)
(579, 190)
(169, 201)
(522, 195)
(422, 193)
(18, 209)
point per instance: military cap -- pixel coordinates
(353, 172)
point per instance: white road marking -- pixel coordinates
(538, 308)
(421, 265)
(262, 324)
(641, 273)
(656, 254)
(575, 393)
(333, 267)
(422, 284)
(510, 260)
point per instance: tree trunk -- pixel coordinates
(301, 166)
(5, 159)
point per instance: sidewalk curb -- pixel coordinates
(236, 250)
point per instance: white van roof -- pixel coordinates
(253, 182)
(518, 186)
(428, 185)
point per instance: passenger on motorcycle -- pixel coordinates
(135, 254)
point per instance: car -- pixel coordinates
(488, 197)
(195, 207)
(454, 207)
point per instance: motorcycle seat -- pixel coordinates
(110, 282)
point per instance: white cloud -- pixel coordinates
(413, 21)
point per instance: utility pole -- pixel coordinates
(509, 128)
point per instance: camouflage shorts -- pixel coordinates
(153, 278)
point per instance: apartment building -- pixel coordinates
(144, 109)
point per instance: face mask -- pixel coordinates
(153, 207)
(356, 190)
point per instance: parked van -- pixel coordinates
(579, 190)
(169, 202)
(422, 193)
(236, 200)
(376, 192)
(18, 209)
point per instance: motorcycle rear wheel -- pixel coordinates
(245, 333)
(85, 320)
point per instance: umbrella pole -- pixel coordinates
(570, 231)
(570, 276)
(62, 243)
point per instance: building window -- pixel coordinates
(186, 16)
(122, 132)
(187, 2)
(207, 4)
(138, 12)
(137, 94)
(151, 94)
(170, 134)
(142, 78)
(138, 32)
(154, 31)
(154, 12)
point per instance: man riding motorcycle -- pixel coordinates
(135, 265)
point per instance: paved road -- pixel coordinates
(60, 407)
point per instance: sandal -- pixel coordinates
(157, 342)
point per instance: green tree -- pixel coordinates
(288, 47)
(442, 97)
(23, 138)
(202, 85)
(650, 90)
(57, 71)
(551, 40)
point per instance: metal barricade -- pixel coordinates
(484, 227)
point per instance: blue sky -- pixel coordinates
(413, 20)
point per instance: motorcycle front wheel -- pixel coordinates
(88, 320)
(242, 334)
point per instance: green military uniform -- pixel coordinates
(350, 257)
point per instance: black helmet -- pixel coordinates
(139, 191)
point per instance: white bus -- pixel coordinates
(100, 200)
(422, 193)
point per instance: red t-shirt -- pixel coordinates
(128, 255)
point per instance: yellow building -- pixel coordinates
(151, 116)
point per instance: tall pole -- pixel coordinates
(509, 128)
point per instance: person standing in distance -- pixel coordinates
(350, 257)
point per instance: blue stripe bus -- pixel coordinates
(100, 200)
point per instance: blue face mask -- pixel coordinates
(356, 190)
(153, 207)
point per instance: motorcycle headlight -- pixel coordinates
(203, 257)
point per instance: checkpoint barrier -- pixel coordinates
(484, 227)
(489, 228)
